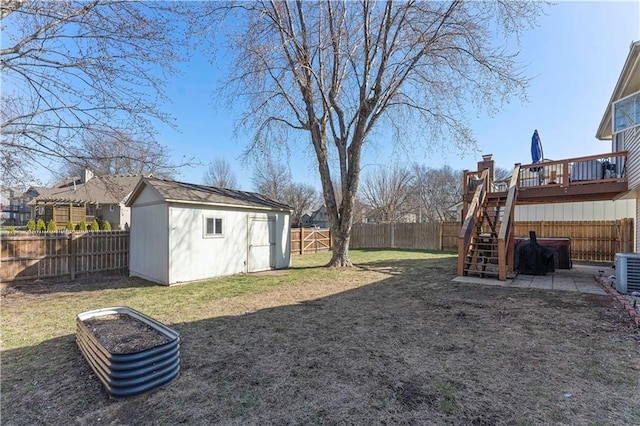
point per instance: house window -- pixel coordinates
(626, 113)
(212, 227)
(111, 207)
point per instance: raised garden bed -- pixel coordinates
(129, 351)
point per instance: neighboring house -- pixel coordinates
(7, 216)
(87, 198)
(621, 125)
(305, 219)
(319, 218)
(14, 205)
(183, 232)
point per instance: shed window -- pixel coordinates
(213, 227)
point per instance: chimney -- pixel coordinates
(487, 163)
(86, 175)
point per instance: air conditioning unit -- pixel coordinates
(627, 272)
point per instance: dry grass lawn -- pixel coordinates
(393, 341)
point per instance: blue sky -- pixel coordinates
(575, 56)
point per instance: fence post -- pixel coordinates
(301, 240)
(393, 235)
(315, 240)
(72, 255)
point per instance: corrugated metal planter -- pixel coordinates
(129, 372)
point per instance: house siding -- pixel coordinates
(631, 138)
(120, 215)
(592, 210)
(636, 226)
(632, 145)
(196, 257)
(148, 242)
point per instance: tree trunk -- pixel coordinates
(340, 247)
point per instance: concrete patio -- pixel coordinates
(579, 279)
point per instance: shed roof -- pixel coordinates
(189, 193)
(110, 189)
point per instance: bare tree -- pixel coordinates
(337, 70)
(220, 174)
(271, 178)
(500, 173)
(300, 197)
(437, 190)
(118, 153)
(388, 191)
(69, 67)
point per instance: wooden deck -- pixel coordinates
(591, 178)
(486, 240)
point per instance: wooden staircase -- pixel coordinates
(482, 256)
(485, 243)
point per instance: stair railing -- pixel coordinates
(474, 215)
(506, 242)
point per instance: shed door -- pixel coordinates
(262, 243)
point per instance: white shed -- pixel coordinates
(182, 232)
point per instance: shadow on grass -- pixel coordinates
(412, 348)
(84, 283)
(442, 264)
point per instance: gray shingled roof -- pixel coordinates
(172, 191)
(99, 189)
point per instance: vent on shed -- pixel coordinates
(627, 272)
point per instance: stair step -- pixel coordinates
(479, 272)
(469, 262)
(477, 256)
(483, 247)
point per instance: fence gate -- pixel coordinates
(315, 240)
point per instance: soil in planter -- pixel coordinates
(123, 334)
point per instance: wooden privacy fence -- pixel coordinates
(593, 241)
(426, 236)
(30, 256)
(310, 240)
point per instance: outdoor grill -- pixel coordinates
(533, 259)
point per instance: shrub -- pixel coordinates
(95, 226)
(31, 225)
(82, 226)
(11, 229)
(70, 226)
(41, 226)
(51, 226)
(106, 226)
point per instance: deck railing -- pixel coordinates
(600, 168)
(506, 244)
(473, 216)
(574, 171)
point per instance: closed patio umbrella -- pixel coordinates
(537, 155)
(536, 148)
